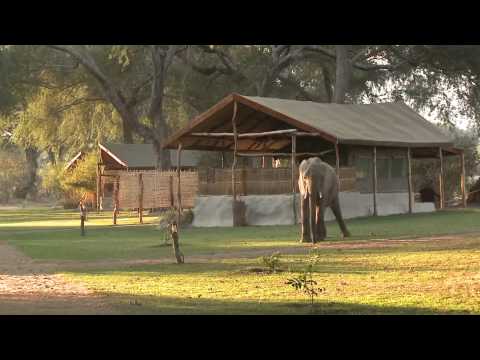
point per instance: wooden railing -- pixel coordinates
(260, 181)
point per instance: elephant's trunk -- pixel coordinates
(312, 210)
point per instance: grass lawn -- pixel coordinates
(402, 278)
(408, 279)
(55, 235)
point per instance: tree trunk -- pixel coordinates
(51, 157)
(343, 73)
(327, 83)
(31, 156)
(156, 114)
(127, 132)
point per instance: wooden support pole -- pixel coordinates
(337, 160)
(410, 187)
(170, 191)
(179, 191)
(234, 164)
(223, 160)
(115, 200)
(294, 172)
(337, 164)
(462, 179)
(97, 195)
(287, 155)
(255, 135)
(441, 180)
(375, 212)
(140, 198)
(245, 135)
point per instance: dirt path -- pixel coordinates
(27, 287)
(254, 253)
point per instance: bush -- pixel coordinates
(170, 215)
(272, 261)
(73, 184)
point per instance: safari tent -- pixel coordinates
(371, 146)
(119, 165)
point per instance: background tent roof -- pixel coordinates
(74, 160)
(143, 155)
(388, 124)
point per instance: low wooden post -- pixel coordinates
(375, 212)
(179, 191)
(140, 198)
(441, 180)
(175, 244)
(462, 179)
(83, 216)
(234, 164)
(294, 172)
(410, 187)
(115, 200)
(223, 159)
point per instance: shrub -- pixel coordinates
(272, 261)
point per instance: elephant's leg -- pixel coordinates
(338, 215)
(312, 217)
(321, 229)
(304, 219)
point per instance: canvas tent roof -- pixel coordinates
(388, 124)
(142, 156)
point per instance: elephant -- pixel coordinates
(318, 186)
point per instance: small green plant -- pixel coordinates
(305, 283)
(272, 261)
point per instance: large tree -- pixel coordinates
(135, 88)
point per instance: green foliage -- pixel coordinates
(51, 184)
(82, 178)
(272, 261)
(72, 184)
(304, 281)
(12, 173)
(425, 171)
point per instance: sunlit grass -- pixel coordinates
(433, 277)
(38, 218)
(407, 279)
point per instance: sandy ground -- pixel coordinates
(27, 287)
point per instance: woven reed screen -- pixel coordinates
(159, 189)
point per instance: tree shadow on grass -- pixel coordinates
(127, 304)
